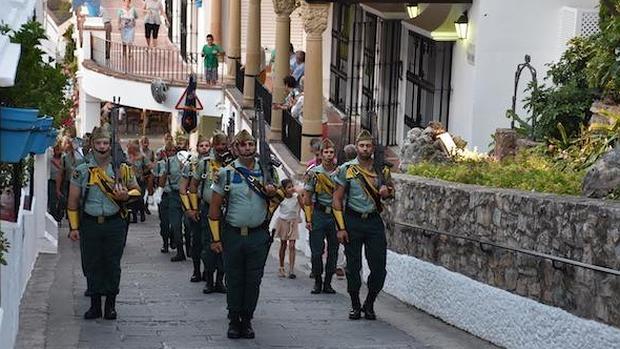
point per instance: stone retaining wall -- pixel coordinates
(579, 229)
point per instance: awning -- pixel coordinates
(435, 21)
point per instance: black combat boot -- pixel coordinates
(142, 217)
(356, 308)
(246, 327)
(196, 276)
(209, 283)
(180, 254)
(94, 312)
(234, 326)
(132, 214)
(327, 285)
(110, 308)
(318, 285)
(368, 308)
(219, 282)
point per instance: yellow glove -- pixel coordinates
(339, 219)
(193, 200)
(214, 224)
(74, 219)
(185, 202)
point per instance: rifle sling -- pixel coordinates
(370, 189)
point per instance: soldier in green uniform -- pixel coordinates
(359, 191)
(200, 190)
(320, 222)
(95, 210)
(192, 218)
(243, 239)
(164, 228)
(172, 217)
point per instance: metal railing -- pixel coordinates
(291, 133)
(144, 62)
(263, 93)
(239, 75)
(557, 261)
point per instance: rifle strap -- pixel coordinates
(205, 174)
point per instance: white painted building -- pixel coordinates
(412, 71)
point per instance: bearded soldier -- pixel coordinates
(200, 191)
(97, 218)
(190, 206)
(361, 185)
(319, 220)
(242, 233)
(172, 216)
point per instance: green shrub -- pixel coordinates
(529, 170)
(603, 70)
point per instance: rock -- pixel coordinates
(505, 142)
(604, 176)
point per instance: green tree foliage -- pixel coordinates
(37, 84)
(603, 70)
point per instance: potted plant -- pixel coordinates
(16, 126)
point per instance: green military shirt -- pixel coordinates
(173, 169)
(245, 207)
(140, 166)
(69, 162)
(357, 199)
(206, 170)
(323, 197)
(96, 203)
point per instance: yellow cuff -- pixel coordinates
(214, 224)
(339, 219)
(193, 201)
(185, 202)
(308, 213)
(134, 192)
(74, 219)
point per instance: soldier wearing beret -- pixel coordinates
(97, 217)
(361, 184)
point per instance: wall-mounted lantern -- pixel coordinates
(413, 9)
(461, 25)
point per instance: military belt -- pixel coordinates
(322, 208)
(244, 231)
(365, 215)
(101, 219)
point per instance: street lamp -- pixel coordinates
(413, 9)
(461, 25)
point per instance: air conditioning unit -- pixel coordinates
(577, 22)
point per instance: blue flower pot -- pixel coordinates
(39, 140)
(16, 126)
(52, 137)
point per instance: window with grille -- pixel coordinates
(427, 81)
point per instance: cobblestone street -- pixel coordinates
(159, 308)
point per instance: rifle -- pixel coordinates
(344, 139)
(266, 160)
(115, 147)
(229, 156)
(378, 157)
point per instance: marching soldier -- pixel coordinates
(164, 229)
(359, 191)
(172, 215)
(96, 217)
(242, 233)
(320, 222)
(200, 189)
(190, 205)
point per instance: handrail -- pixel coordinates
(482, 242)
(147, 62)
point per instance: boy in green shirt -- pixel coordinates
(210, 52)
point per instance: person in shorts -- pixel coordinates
(210, 52)
(287, 228)
(152, 21)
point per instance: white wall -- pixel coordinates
(30, 235)
(503, 32)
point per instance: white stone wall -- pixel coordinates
(31, 234)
